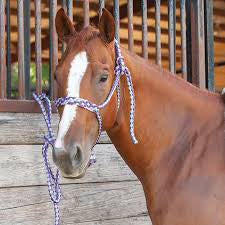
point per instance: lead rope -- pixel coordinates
(53, 180)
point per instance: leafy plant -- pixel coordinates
(15, 78)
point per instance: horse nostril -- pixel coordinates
(78, 154)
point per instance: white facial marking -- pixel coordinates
(78, 68)
(223, 91)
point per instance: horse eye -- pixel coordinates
(104, 78)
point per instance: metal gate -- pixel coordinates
(195, 18)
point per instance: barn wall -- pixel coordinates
(109, 194)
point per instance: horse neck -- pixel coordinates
(167, 113)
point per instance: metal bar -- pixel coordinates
(183, 39)
(21, 49)
(117, 19)
(172, 35)
(101, 6)
(209, 44)
(26, 4)
(86, 13)
(53, 47)
(198, 43)
(2, 51)
(188, 41)
(63, 4)
(70, 9)
(50, 53)
(158, 33)
(8, 51)
(38, 46)
(130, 25)
(144, 28)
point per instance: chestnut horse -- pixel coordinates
(180, 155)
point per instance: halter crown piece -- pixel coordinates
(45, 105)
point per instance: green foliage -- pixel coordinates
(15, 78)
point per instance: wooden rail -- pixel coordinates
(108, 194)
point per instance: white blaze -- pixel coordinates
(76, 73)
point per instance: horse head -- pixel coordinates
(86, 71)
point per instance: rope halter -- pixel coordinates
(120, 70)
(45, 105)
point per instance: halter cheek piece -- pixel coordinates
(120, 69)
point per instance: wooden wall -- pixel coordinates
(109, 194)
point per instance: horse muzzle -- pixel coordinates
(71, 161)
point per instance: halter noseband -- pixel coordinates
(120, 69)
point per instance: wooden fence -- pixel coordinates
(109, 194)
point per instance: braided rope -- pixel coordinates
(42, 100)
(120, 70)
(53, 180)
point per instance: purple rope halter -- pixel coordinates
(53, 180)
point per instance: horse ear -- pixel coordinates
(107, 26)
(64, 26)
